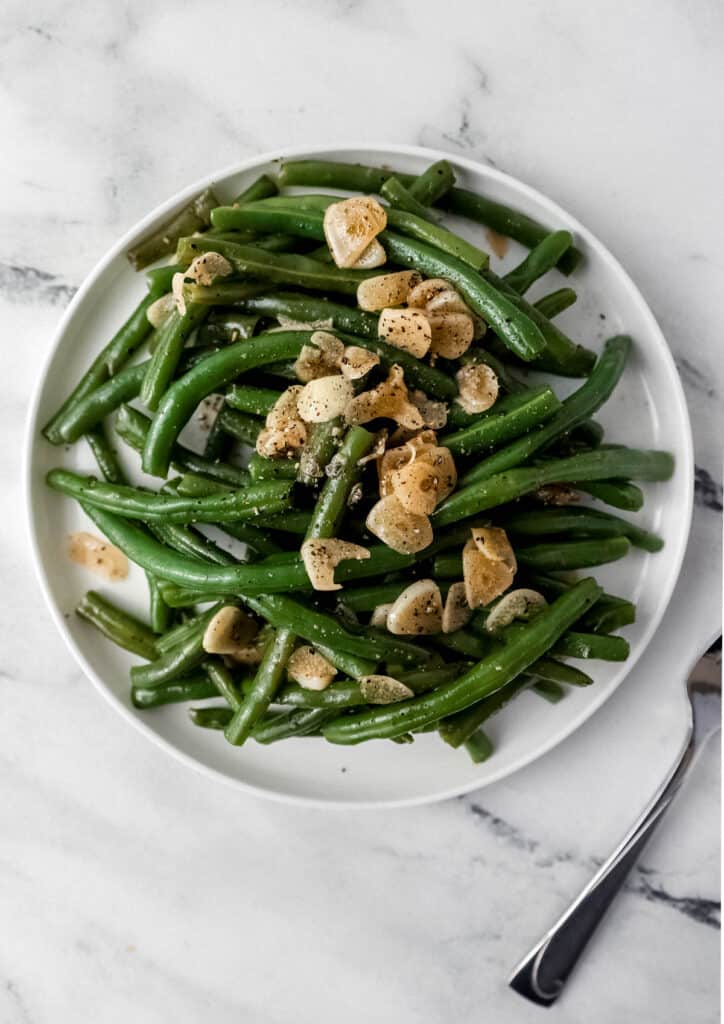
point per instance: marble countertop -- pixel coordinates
(134, 889)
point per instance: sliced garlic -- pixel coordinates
(400, 530)
(386, 290)
(320, 358)
(158, 311)
(285, 432)
(323, 399)
(310, 669)
(446, 474)
(373, 256)
(492, 541)
(357, 362)
(477, 386)
(417, 611)
(207, 267)
(433, 413)
(557, 494)
(286, 323)
(457, 611)
(518, 604)
(178, 282)
(229, 631)
(350, 226)
(452, 334)
(98, 555)
(485, 578)
(402, 455)
(423, 293)
(406, 329)
(415, 487)
(384, 690)
(322, 556)
(389, 399)
(379, 616)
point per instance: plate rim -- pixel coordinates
(378, 151)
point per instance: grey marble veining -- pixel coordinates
(133, 889)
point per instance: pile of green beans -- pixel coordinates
(226, 525)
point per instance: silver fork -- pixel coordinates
(542, 974)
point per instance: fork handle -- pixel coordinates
(542, 974)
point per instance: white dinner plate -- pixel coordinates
(647, 410)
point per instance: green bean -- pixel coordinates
(216, 717)
(239, 425)
(318, 627)
(348, 694)
(549, 690)
(592, 645)
(189, 542)
(319, 450)
(257, 401)
(584, 436)
(479, 746)
(597, 465)
(218, 443)
(366, 599)
(355, 177)
(272, 469)
(416, 224)
(283, 268)
(105, 455)
(262, 187)
(463, 642)
(164, 362)
(311, 308)
(542, 258)
(224, 292)
(223, 683)
(433, 382)
(618, 493)
(555, 303)
(433, 183)
(159, 613)
(573, 554)
(576, 408)
(552, 671)
(215, 372)
(192, 217)
(456, 729)
(133, 427)
(496, 429)
(457, 417)
(607, 614)
(259, 578)
(332, 502)
(174, 663)
(252, 503)
(398, 196)
(160, 279)
(178, 633)
(281, 726)
(106, 364)
(181, 597)
(580, 522)
(266, 682)
(92, 407)
(193, 687)
(123, 629)
(227, 326)
(489, 675)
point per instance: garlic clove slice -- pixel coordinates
(350, 226)
(417, 611)
(386, 290)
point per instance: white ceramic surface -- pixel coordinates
(647, 410)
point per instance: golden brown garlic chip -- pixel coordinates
(518, 604)
(415, 486)
(160, 309)
(433, 413)
(373, 256)
(231, 630)
(452, 334)
(203, 270)
(285, 432)
(379, 615)
(324, 399)
(456, 613)
(320, 358)
(477, 386)
(406, 329)
(310, 669)
(400, 530)
(384, 690)
(350, 226)
(322, 556)
(357, 362)
(436, 291)
(446, 474)
(417, 611)
(389, 399)
(488, 566)
(386, 290)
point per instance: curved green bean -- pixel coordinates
(580, 522)
(123, 629)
